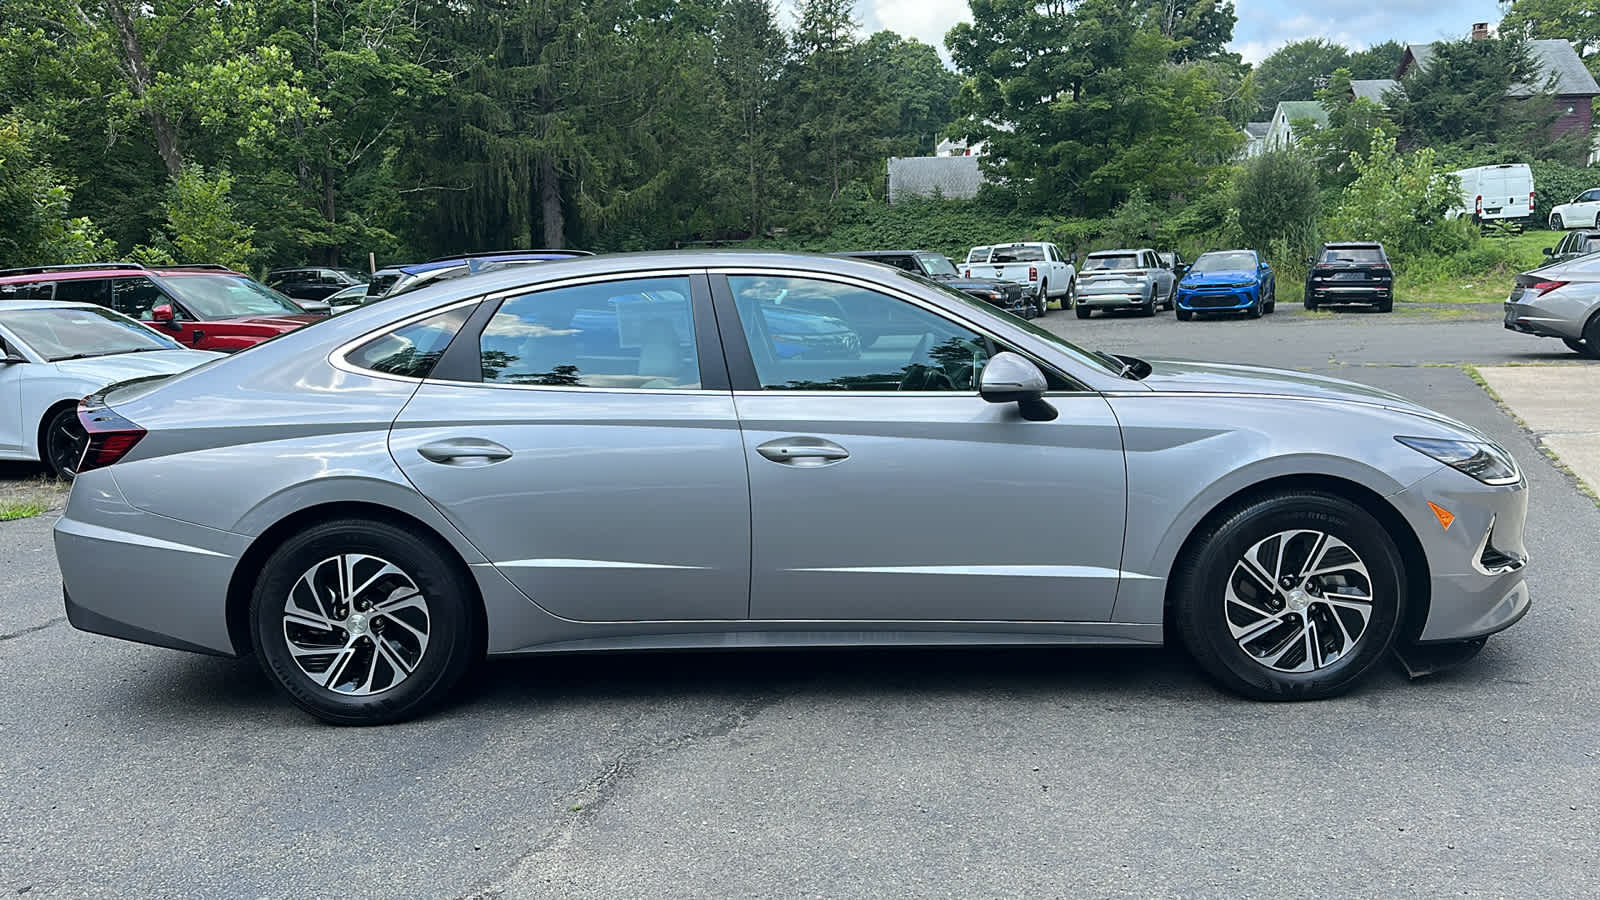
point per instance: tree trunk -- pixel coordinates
(139, 80)
(328, 214)
(555, 225)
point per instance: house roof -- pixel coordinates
(1372, 89)
(1555, 57)
(1304, 109)
(1257, 129)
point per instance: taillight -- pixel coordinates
(968, 275)
(1478, 207)
(1530, 199)
(1033, 273)
(1380, 265)
(110, 437)
(1544, 287)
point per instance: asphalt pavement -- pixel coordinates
(132, 771)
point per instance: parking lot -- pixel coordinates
(136, 771)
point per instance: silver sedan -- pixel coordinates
(1561, 300)
(646, 452)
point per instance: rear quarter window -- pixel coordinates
(411, 351)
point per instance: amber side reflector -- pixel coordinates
(1443, 515)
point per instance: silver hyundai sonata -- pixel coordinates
(758, 450)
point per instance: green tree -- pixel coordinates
(1351, 123)
(39, 229)
(203, 224)
(1200, 29)
(1577, 21)
(916, 86)
(1378, 61)
(1080, 103)
(836, 109)
(750, 56)
(1277, 199)
(1296, 71)
(1478, 93)
(1400, 199)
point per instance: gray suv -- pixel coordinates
(1126, 279)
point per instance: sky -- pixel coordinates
(1264, 25)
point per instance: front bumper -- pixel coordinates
(1529, 318)
(129, 574)
(1477, 565)
(1230, 299)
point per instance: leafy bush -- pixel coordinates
(1276, 196)
(1555, 184)
(202, 224)
(1401, 200)
(37, 228)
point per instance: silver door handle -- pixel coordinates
(803, 451)
(464, 451)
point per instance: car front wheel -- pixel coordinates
(1290, 596)
(361, 622)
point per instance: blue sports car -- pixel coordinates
(1227, 281)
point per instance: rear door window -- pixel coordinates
(85, 290)
(28, 290)
(412, 350)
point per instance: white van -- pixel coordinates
(1495, 193)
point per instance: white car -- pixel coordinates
(52, 355)
(1582, 212)
(1040, 267)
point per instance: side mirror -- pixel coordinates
(1549, 251)
(1009, 378)
(162, 312)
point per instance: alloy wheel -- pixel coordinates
(64, 443)
(1299, 601)
(356, 625)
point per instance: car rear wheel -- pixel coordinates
(360, 622)
(1556, 223)
(1310, 302)
(1290, 596)
(1083, 311)
(1386, 305)
(1149, 307)
(62, 442)
(1041, 303)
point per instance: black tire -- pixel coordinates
(1071, 298)
(1576, 345)
(1254, 312)
(1310, 303)
(1272, 297)
(1591, 338)
(451, 622)
(1212, 563)
(1083, 311)
(1149, 307)
(61, 441)
(1185, 315)
(1556, 224)
(1386, 305)
(1042, 302)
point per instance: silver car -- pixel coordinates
(626, 453)
(1126, 279)
(1561, 300)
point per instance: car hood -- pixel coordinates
(1236, 276)
(125, 366)
(1203, 377)
(281, 323)
(976, 284)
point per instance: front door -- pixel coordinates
(590, 450)
(884, 488)
(11, 435)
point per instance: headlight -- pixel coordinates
(1489, 463)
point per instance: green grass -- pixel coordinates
(10, 512)
(1432, 283)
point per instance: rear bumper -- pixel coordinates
(1350, 293)
(129, 574)
(1113, 298)
(1528, 318)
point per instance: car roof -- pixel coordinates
(29, 274)
(445, 262)
(866, 254)
(1356, 245)
(1122, 251)
(12, 305)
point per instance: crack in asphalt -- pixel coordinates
(580, 805)
(31, 629)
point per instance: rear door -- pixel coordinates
(883, 488)
(583, 437)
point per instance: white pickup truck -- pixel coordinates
(1040, 267)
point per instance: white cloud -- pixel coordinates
(925, 20)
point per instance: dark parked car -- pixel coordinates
(1007, 295)
(1351, 272)
(314, 283)
(1573, 245)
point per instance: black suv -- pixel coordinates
(1351, 272)
(312, 282)
(1574, 244)
(1007, 295)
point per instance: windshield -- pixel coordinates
(77, 332)
(1016, 255)
(1112, 261)
(227, 296)
(1079, 354)
(936, 264)
(1226, 261)
(1353, 254)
